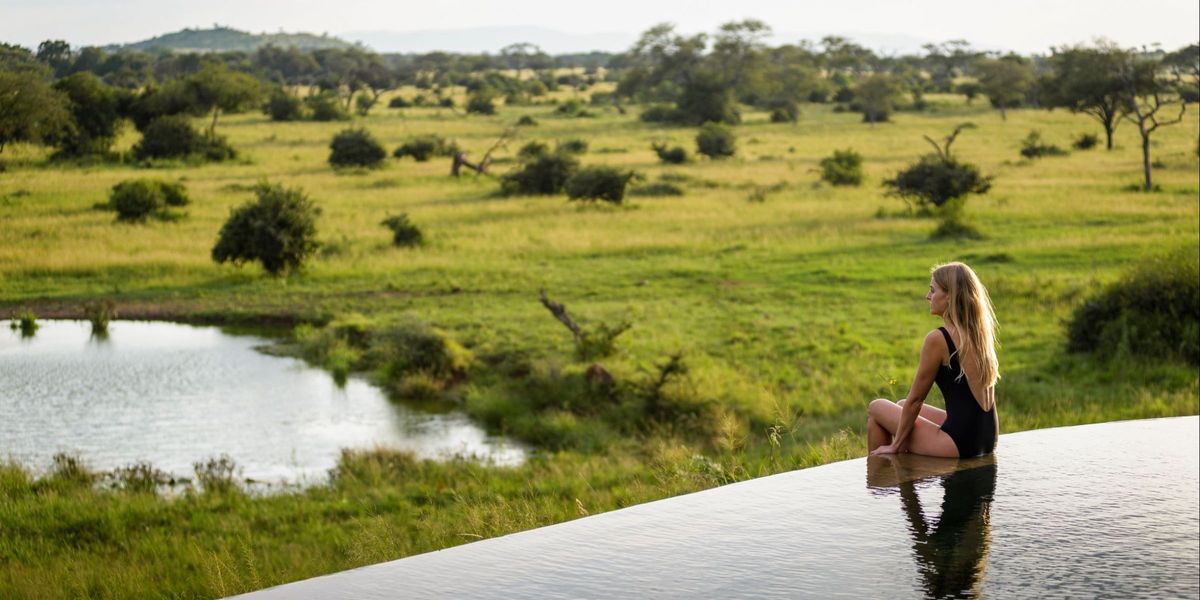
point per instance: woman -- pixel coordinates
(961, 358)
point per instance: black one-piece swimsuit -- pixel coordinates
(972, 428)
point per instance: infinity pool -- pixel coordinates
(174, 395)
(1097, 511)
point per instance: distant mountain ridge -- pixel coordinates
(224, 39)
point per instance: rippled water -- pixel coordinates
(175, 394)
(1097, 511)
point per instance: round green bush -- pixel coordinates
(282, 106)
(325, 107)
(136, 199)
(544, 173)
(785, 111)
(404, 232)
(355, 148)
(572, 146)
(1153, 311)
(936, 180)
(278, 229)
(526, 121)
(481, 103)
(716, 140)
(599, 183)
(671, 156)
(844, 167)
(398, 102)
(169, 137)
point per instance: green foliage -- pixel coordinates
(215, 88)
(658, 188)
(404, 232)
(278, 230)
(1085, 141)
(355, 148)
(25, 322)
(1153, 311)
(422, 148)
(174, 137)
(844, 167)
(571, 146)
(99, 313)
(599, 183)
(672, 156)
(600, 340)
(526, 121)
(282, 106)
(69, 469)
(413, 346)
(785, 111)
(481, 103)
(658, 113)
(325, 107)
(30, 110)
(140, 478)
(95, 115)
(363, 103)
(399, 102)
(937, 180)
(953, 226)
(217, 475)
(707, 98)
(136, 199)
(876, 97)
(1033, 147)
(540, 172)
(716, 141)
(1006, 81)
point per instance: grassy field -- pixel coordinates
(790, 313)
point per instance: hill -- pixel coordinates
(219, 39)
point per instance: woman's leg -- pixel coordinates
(933, 413)
(876, 435)
(927, 438)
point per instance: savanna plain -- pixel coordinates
(766, 309)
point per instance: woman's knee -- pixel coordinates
(876, 405)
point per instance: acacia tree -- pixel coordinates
(1006, 81)
(95, 113)
(1087, 80)
(1146, 93)
(877, 95)
(215, 88)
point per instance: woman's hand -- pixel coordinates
(889, 449)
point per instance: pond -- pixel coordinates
(1109, 510)
(173, 395)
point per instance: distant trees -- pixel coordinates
(1150, 98)
(1087, 80)
(216, 88)
(30, 110)
(95, 115)
(877, 95)
(1006, 81)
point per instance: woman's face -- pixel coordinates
(937, 298)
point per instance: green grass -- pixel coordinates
(791, 314)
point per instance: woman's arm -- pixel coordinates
(931, 359)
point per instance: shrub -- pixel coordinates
(1152, 311)
(844, 167)
(526, 121)
(572, 146)
(571, 107)
(399, 102)
(278, 229)
(25, 322)
(140, 478)
(936, 180)
(785, 111)
(481, 103)
(658, 188)
(404, 233)
(544, 173)
(658, 113)
(843, 94)
(599, 183)
(1086, 141)
(216, 475)
(355, 148)
(69, 468)
(412, 347)
(1032, 147)
(672, 156)
(532, 149)
(174, 137)
(448, 102)
(282, 106)
(136, 199)
(95, 115)
(363, 103)
(421, 148)
(819, 96)
(99, 313)
(325, 107)
(716, 141)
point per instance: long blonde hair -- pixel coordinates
(969, 310)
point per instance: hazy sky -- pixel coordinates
(1022, 25)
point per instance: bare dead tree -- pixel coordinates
(481, 167)
(1146, 93)
(560, 312)
(944, 151)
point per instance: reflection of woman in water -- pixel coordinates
(961, 358)
(951, 553)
